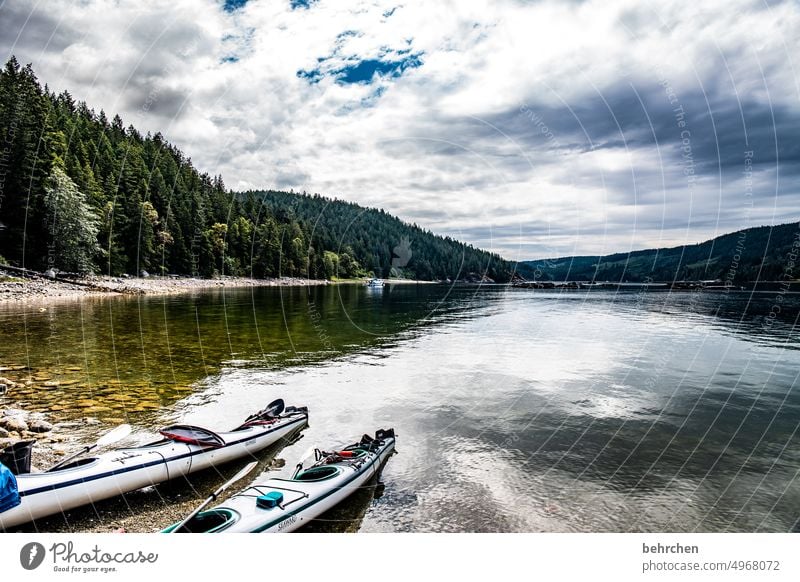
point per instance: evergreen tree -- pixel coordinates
(72, 225)
(147, 207)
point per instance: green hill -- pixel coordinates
(763, 253)
(382, 243)
(82, 193)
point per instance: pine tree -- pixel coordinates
(149, 208)
(72, 225)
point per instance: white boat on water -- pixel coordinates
(376, 283)
(272, 505)
(184, 449)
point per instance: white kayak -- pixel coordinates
(282, 505)
(183, 450)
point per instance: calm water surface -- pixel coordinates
(516, 410)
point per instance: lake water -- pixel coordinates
(516, 410)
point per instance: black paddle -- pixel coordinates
(110, 437)
(249, 467)
(272, 410)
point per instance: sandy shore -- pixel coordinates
(17, 290)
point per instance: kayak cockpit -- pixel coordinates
(211, 521)
(320, 473)
(75, 464)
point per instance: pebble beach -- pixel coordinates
(18, 290)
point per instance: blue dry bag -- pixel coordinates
(9, 496)
(269, 500)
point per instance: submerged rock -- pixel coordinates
(96, 409)
(39, 426)
(7, 384)
(13, 424)
(120, 397)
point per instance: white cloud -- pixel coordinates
(444, 143)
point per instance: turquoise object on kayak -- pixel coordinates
(334, 476)
(269, 500)
(9, 495)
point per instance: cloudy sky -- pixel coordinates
(536, 129)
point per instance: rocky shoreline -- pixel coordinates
(18, 425)
(55, 437)
(18, 290)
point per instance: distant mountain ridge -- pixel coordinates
(762, 253)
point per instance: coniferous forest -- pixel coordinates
(80, 192)
(762, 253)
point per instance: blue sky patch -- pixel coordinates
(371, 99)
(345, 35)
(364, 71)
(237, 45)
(314, 76)
(233, 5)
(295, 4)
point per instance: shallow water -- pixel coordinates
(516, 410)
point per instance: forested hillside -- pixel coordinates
(762, 253)
(82, 193)
(381, 242)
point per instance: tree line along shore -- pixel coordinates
(82, 192)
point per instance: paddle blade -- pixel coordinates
(299, 467)
(110, 437)
(274, 408)
(114, 436)
(307, 455)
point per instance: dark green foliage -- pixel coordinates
(71, 223)
(366, 241)
(762, 253)
(145, 207)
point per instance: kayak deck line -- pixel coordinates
(320, 499)
(184, 451)
(263, 490)
(280, 504)
(123, 470)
